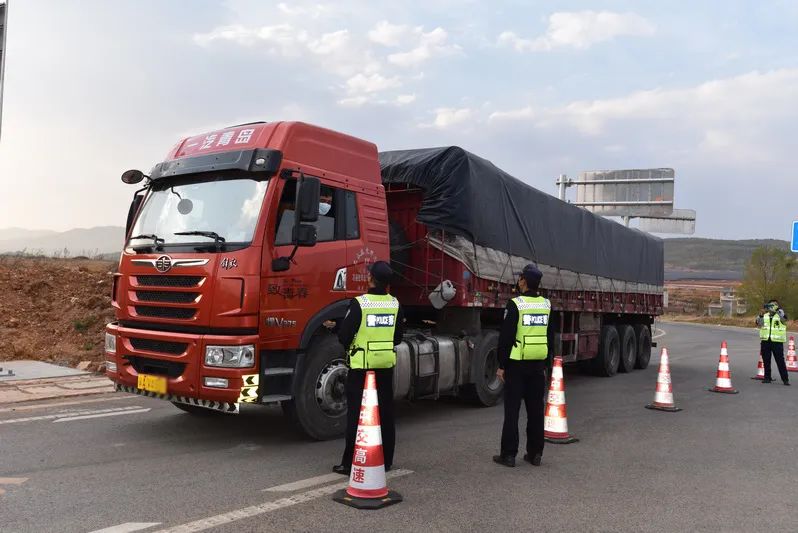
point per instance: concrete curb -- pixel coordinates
(49, 388)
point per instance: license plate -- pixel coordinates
(152, 383)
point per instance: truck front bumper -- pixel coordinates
(140, 351)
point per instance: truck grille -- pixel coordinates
(168, 281)
(167, 297)
(151, 345)
(165, 312)
(144, 365)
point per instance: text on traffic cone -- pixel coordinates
(367, 479)
(792, 360)
(555, 426)
(367, 485)
(663, 397)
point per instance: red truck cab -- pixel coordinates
(210, 309)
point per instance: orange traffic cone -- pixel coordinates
(555, 425)
(368, 488)
(723, 382)
(792, 361)
(760, 369)
(663, 397)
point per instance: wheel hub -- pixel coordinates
(331, 388)
(491, 366)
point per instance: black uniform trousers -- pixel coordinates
(355, 380)
(777, 349)
(524, 380)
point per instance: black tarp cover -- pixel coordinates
(470, 196)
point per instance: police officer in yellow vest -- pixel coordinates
(523, 352)
(773, 334)
(369, 332)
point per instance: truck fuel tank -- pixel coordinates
(430, 366)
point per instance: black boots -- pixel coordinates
(535, 460)
(342, 469)
(504, 460)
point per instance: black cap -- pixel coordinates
(381, 272)
(532, 275)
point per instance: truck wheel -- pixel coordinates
(626, 334)
(196, 410)
(609, 356)
(487, 388)
(319, 407)
(643, 346)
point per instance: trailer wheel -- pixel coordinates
(487, 387)
(609, 356)
(643, 346)
(628, 339)
(319, 406)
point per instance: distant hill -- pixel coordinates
(75, 242)
(21, 233)
(686, 254)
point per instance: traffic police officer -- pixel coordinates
(773, 334)
(523, 352)
(369, 331)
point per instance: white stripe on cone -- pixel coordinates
(369, 398)
(367, 477)
(368, 436)
(724, 383)
(556, 424)
(663, 396)
(723, 366)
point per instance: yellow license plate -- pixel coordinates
(152, 383)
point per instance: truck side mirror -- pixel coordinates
(132, 176)
(307, 199)
(305, 235)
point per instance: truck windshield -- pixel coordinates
(227, 207)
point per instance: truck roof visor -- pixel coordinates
(261, 160)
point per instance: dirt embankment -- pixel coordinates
(54, 310)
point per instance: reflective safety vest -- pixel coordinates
(530, 334)
(773, 329)
(372, 346)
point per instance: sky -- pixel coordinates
(708, 88)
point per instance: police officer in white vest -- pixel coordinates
(772, 325)
(369, 332)
(523, 352)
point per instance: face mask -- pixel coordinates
(324, 208)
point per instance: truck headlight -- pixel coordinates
(230, 356)
(110, 343)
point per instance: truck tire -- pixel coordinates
(643, 334)
(196, 410)
(626, 334)
(319, 405)
(487, 387)
(609, 356)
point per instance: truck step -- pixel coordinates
(278, 371)
(273, 398)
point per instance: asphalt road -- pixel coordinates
(725, 463)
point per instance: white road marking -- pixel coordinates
(67, 414)
(101, 415)
(267, 507)
(304, 483)
(659, 333)
(61, 404)
(11, 481)
(127, 527)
